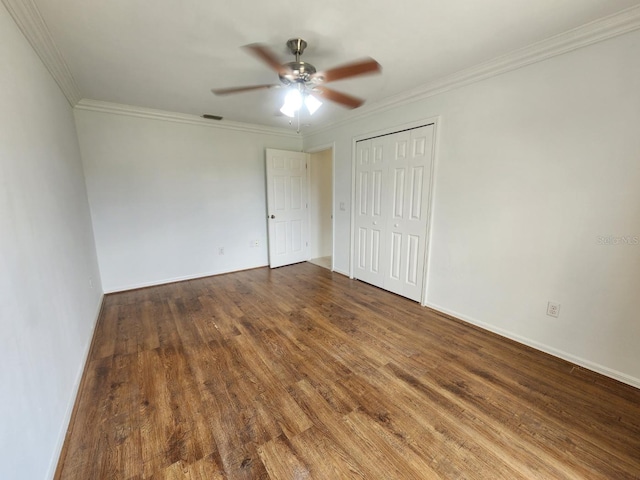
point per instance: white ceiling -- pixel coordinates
(168, 54)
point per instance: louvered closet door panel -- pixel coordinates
(409, 191)
(371, 211)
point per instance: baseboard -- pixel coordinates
(595, 367)
(68, 417)
(164, 281)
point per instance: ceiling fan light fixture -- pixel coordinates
(312, 104)
(292, 103)
(288, 111)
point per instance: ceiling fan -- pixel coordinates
(305, 83)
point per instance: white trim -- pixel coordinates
(333, 206)
(608, 372)
(352, 220)
(55, 459)
(437, 126)
(432, 183)
(33, 27)
(153, 114)
(307, 171)
(583, 36)
(165, 281)
(396, 129)
(321, 148)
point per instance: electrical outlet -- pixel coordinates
(221, 251)
(553, 309)
(342, 206)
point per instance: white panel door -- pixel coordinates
(393, 181)
(287, 215)
(409, 193)
(371, 211)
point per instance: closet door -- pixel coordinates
(409, 192)
(393, 181)
(371, 211)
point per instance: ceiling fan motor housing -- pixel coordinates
(300, 72)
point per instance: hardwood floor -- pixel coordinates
(300, 373)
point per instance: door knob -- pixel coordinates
(395, 225)
(272, 216)
(375, 223)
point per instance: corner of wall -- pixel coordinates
(57, 458)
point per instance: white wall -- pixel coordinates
(534, 166)
(165, 196)
(320, 203)
(47, 257)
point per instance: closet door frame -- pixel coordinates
(436, 122)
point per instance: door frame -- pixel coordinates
(436, 122)
(321, 148)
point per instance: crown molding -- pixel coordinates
(153, 114)
(33, 27)
(597, 31)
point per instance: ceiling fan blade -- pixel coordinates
(341, 98)
(228, 91)
(267, 56)
(359, 67)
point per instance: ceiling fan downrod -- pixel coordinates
(296, 47)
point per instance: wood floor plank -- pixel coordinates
(489, 440)
(154, 412)
(556, 419)
(280, 460)
(324, 457)
(370, 452)
(298, 372)
(286, 412)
